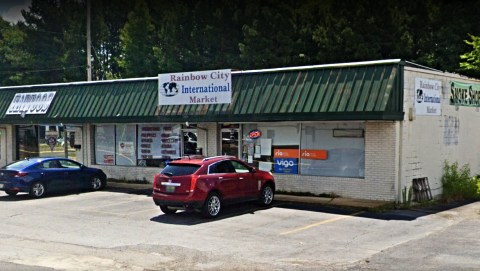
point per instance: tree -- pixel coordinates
(472, 59)
(108, 18)
(14, 60)
(271, 36)
(53, 36)
(136, 37)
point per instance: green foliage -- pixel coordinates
(137, 43)
(458, 184)
(472, 59)
(407, 197)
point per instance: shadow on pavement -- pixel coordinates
(142, 190)
(191, 217)
(394, 214)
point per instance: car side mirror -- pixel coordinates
(253, 170)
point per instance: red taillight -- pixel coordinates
(193, 183)
(155, 180)
(20, 174)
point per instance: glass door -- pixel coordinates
(230, 143)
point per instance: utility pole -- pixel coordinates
(89, 45)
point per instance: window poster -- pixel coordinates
(285, 160)
(159, 141)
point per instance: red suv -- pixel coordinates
(207, 184)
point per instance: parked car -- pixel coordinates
(207, 184)
(39, 176)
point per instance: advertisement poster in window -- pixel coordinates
(126, 149)
(159, 141)
(285, 160)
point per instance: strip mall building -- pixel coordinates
(361, 130)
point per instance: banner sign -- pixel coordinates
(205, 87)
(286, 153)
(314, 154)
(30, 103)
(465, 94)
(428, 97)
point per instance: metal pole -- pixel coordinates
(89, 45)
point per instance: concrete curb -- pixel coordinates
(345, 202)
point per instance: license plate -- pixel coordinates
(170, 189)
(1, 185)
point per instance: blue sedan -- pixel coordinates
(39, 176)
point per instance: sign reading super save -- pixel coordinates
(205, 87)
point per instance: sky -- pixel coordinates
(10, 9)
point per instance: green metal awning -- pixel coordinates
(371, 91)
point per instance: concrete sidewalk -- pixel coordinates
(138, 188)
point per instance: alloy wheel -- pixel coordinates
(96, 183)
(267, 195)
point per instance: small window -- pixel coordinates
(221, 167)
(69, 164)
(239, 167)
(180, 169)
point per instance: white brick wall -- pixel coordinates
(427, 140)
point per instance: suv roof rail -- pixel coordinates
(192, 156)
(218, 156)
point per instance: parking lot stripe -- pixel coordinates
(320, 223)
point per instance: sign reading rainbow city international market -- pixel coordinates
(204, 87)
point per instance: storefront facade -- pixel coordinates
(359, 130)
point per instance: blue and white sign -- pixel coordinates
(30, 103)
(285, 165)
(428, 99)
(205, 87)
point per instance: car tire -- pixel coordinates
(167, 210)
(266, 196)
(212, 206)
(38, 190)
(96, 183)
(11, 193)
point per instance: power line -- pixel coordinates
(43, 70)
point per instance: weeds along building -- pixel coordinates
(362, 130)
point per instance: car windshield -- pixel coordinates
(20, 164)
(179, 169)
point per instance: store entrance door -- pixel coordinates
(3, 147)
(230, 144)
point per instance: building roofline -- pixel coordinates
(297, 68)
(323, 66)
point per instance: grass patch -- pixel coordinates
(458, 184)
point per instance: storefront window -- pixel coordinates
(332, 149)
(272, 147)
(326, 149)
(125, 143)
(27, 141)
(104, 144)
(45, 141)
(158, 144)
(151, 145)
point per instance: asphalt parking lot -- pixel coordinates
(119, 229)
